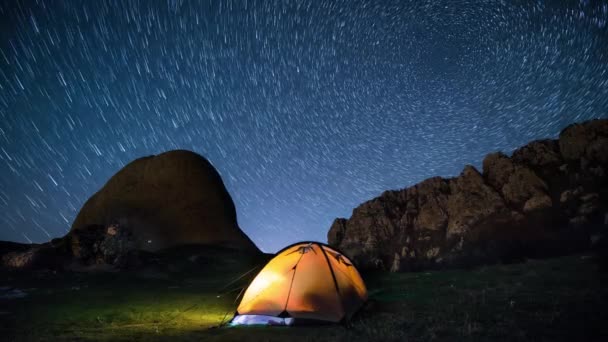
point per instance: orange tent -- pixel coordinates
(307, 281)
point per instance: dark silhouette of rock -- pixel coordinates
(9, 247)
(51, 255)
(112, 245)
(98, 248)
(549, 198)
(170, 199)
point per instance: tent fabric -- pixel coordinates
(306, 281)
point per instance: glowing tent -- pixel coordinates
(304, 282)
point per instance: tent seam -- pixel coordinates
(293, 276)
(334, 278)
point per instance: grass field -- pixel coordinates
(540, 300)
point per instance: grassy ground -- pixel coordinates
(555, 299)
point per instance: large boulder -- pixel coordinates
(98, 245)
(549, 198)
(586, 140)
(174, 198)
(53, 255)
(516, 183)
(471, 202)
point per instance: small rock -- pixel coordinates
(597, 171)
(193, 258)
(584, 163)
(590, 197)
(396, 266)
(432, 253)
(571, 194)
(538, 202)
(13, 294)
(112, 230)
(565, 196)
(378, 263)
(587, 208)
(19, 259)
(578, 221)
(594, 239)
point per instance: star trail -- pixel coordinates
(306, 108)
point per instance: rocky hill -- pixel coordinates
(174, 199)
(549, 197)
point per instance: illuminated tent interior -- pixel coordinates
(305, 282)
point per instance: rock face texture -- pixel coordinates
(112, 248)
(549, 198)
(174, 198)
(112, 245)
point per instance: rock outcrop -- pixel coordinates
(170, 199)
(548, 198)
(98, 245)
(99, 248)
(154, 204)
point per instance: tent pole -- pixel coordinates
(333, 275)
(293, 276)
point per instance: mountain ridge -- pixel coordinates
(548, 198)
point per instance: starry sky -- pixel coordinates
(306, 108)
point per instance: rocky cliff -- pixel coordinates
(549, 197)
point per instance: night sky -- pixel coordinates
(306, 109)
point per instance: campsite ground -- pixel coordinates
(554, 299)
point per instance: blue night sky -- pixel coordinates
(306, 108)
